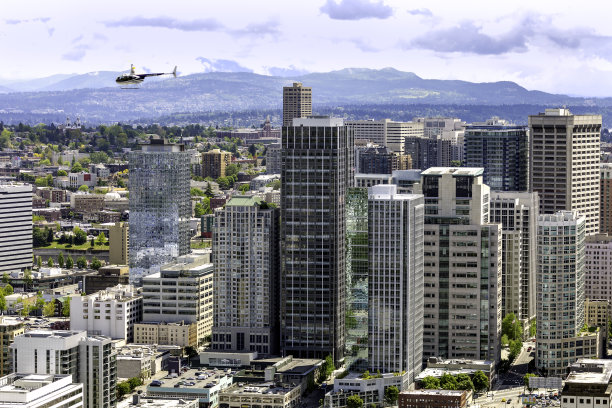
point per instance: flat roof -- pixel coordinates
(262, 388)
(433, 392)
(455, 171)
(214, 377)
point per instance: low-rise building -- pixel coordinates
(588, 384)
(9, 328)
(266, 394)
(597, 312)
(138, 401)
(87, 203)
(371, 389)
(369, 180)
(111, 312)
(106, 277)
(436, 367)
(77, 180)
(435, 398)
(180, 333)
(205, 389)
(263, 180)
(39, 391)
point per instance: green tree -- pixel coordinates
(504, 340)
(232, 170)
(252, 150)
(134, 382)
(464, 382)
(60, 260)
(66, 307)
(511, 326)
(69, 262)
(196, 192)
(354, 402)
(326, 369)
(275, 184)
(191, 352)
(95, 263)
(84, 188)
(39, 262)
(244, 188)
(7, 290)
(391, 394)
(27, 275)
(480, 380)
(209, 192)
(448, 382)
(62, 173)
(81, 262)
(80, 236)
(532, 328)
(98, 157)
(2, 303)
(123, 388)
(430, 383)
(101, 239)
(50, 262)
(515, 349)
(526, 380)
(40, 302)
(49, 309)
(39, 237)
(76, 167)
(5, 278)
(198, 210)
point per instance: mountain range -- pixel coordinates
(95, 98)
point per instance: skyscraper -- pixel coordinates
(297, 102)
(428, 153)
(395, 280)
(317, 169)
(15, 227)
(605, 207)
(462, 263)
(517, 212)
(246, 278)
(565, 163)
(502, 150)
(160, 207)
(560, 294)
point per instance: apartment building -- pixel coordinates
(15, 227)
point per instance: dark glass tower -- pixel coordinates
(317, 168)
(503, 151)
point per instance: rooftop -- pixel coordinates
(455, 171)
(263, 388)
(243, 201)
(158, 403)
(208, 379)
(434, 392)
(590, 371)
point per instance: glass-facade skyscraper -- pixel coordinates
(160, 206)
(502, 151)
(317, 169)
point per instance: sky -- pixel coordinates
(554, 46)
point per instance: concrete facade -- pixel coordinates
(15, 227)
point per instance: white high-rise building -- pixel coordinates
(462, 262)
(247, 271)
(40, 391)
(111, 312)
(181, 291)
(90, 360)
(518, 214)
(395, 281)
(560, 340)
(15, 227)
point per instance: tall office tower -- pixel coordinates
(565, 163)
(428, 153)
(463, 272)
(503, 151)
(598, 267)
(357, 279)
(560, 294)
(605, 207)
(297, 102)
(214, 163)
(386, 132)
(160, 207)
(15, 227)
(246, 278)
(119, 239)
(517, 212)
(395, 278)
(90, 360)
(317, 169)
(182, 291)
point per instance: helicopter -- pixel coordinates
(132, 78)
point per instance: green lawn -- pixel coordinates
(83, 247)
